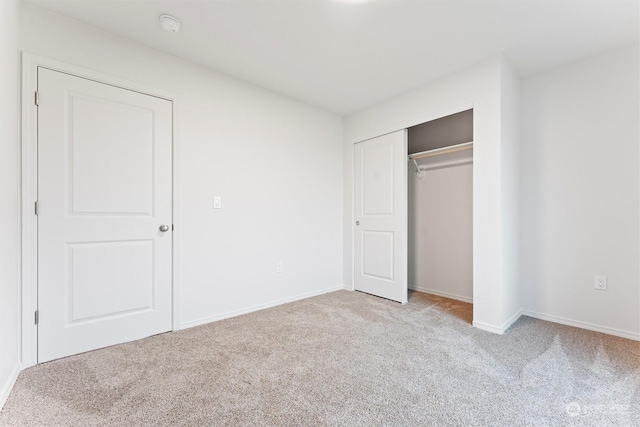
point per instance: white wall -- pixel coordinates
(276, 163)
(510, 161)
(581, 193)
(441, 227)
(9, 197)
(479, 88)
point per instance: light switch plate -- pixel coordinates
(217, 202)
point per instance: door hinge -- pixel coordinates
(171, 227)
(37, 209)
(37, 98)
(37, 316)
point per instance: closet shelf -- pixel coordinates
(440, 151)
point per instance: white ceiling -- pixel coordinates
(346, 55)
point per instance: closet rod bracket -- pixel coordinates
(419, 173)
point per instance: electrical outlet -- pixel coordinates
(217, 202)
(600, 282)
(279, 267)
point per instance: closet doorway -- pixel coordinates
(413, 211)
(440, 207)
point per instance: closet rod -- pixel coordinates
(443, 150)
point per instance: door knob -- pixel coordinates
(357, 222)
(164, 228)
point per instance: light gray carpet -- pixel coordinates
(343, 358)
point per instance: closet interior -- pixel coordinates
(440, 207)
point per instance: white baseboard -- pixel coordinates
(583, 325)
(511, 320)
(441, 294)
(234, 313)
(8, 386)
(498, 329)
(487, 327)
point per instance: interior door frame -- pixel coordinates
(29, 191)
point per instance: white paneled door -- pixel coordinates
(380, 207)
(104, 221)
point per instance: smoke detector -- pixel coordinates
(170, 23)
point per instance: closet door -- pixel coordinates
(380, 241)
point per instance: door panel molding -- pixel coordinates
(29, 191)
